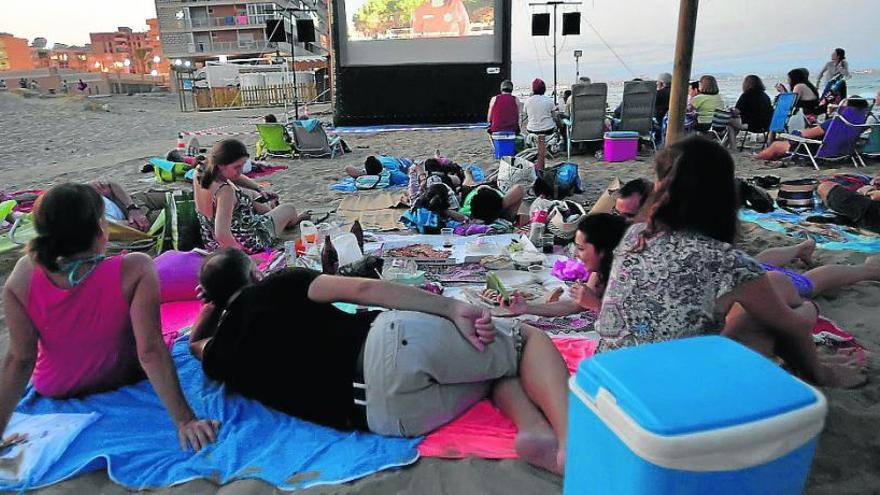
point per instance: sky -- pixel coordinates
(733, 36)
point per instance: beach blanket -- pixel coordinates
(25, 199)
(135, 440)
(827, 236)
(365, 182)
(377, 211)
(264, 170)
(483, 431)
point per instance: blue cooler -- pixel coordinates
(703, 415)
(504, 144)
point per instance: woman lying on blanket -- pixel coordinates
(281, 341)
(678, 275)
(80, 323)
(228, 216)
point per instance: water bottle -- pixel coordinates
(536, 232)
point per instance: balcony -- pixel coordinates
(214, 48)
(228, 22)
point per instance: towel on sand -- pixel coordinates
(827, 236)
(135, 439)
(264, 170)
(483, 431)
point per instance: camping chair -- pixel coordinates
(272, 141)
(637, 109)
(785, 103)
(871, 149)
(720, 126)
(311, 140)
(841, 131)
(587, 119)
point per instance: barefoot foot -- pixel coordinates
(538, 449)
(805, 251)
(841, 373)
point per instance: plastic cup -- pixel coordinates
(448, 236)
(547, 243)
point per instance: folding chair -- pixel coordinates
(838, 143)
(637, 109)
(785, 103)
(587, 119)
(720, 126)
(311, 140)
(272, 141)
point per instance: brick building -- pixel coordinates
(15, 54)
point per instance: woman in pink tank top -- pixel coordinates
(80, 322)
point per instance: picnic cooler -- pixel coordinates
(691, 416)
(505, 144)
(620, 146)
(797, 193)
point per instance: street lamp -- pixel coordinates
(187, 64)
(154, 73)
(156, 59)
(178, 62)
(577, 56)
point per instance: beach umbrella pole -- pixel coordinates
(681, 73)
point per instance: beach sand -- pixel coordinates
(47, 141)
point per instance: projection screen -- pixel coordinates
(400, 32)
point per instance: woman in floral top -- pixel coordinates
(678, 275)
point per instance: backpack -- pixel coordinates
(558, 182)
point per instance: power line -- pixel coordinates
(608, 46)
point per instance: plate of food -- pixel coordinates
(423, 253)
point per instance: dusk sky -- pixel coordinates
(733, 36)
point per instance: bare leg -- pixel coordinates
(780, 256)
(513, 199)
(286, 216)
(544, 377)
(354, 171)
(799, 351)
(542, 151)
(535, 441)
(776, 150)
(830, 277)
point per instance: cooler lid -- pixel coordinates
(621, 135)
(693, 385)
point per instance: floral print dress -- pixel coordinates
(255, 232)
(670, 288)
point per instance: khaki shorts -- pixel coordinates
(420, 373)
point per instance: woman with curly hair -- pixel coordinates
(678, 274)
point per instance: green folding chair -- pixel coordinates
(273, 142)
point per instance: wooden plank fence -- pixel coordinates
(251, 97)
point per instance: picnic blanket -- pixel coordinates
(377, 211)
(264, 170)
(827, 236)
(135, 440)
(483, 431)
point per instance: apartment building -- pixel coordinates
(200, 30)
(15, 54)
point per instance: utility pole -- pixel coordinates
(291, 20)
(681, 72)
(555, 4)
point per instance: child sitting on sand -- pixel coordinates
(403, 372)
(81, 322)
(678, 275)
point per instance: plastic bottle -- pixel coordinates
(329, 257)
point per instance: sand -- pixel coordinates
(47, 141)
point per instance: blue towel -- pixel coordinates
(348, 185)
(135, 440)
(840, 238)
(309, 124)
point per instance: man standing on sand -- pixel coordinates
(862, 206)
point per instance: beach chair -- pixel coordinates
(720, 125)
(871, 149)
(838, 143)
(637, 109)
(587, 119)
(272, 141)
(785, 103)
(311, 140)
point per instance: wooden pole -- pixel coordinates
(681, 72)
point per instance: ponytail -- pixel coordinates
(67, 220)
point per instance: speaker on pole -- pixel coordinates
(275, 31)
(571, 23)
(305, 31)
(541, 24)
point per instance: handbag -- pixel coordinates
(518, 171)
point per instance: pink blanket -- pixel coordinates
(177, 315)
(265, 170)
(483, 431)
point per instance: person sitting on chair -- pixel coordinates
(540, 111)
(504, 110)
(853, 110)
